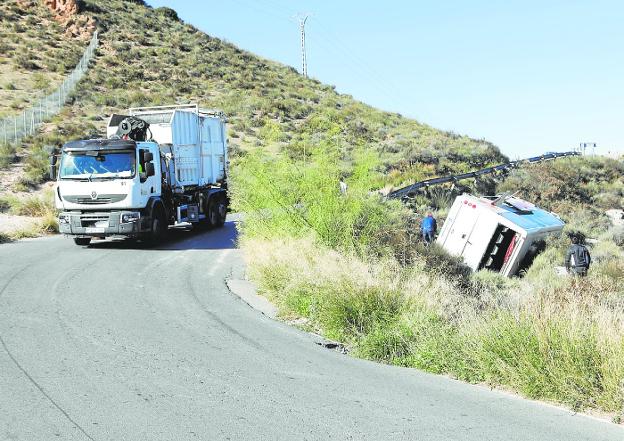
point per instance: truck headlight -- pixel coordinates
(126, 218)
(64, 218)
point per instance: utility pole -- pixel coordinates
(304, 64)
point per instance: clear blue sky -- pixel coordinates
(530, 76)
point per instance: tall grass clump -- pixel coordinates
(41, 207)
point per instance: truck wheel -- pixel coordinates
(221, 209)
(213, 212)
(158, 228)
(82, 241)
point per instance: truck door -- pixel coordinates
(150, 185)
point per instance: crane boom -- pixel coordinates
(407, 191)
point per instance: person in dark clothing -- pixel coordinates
(428, 227)
(577, 258)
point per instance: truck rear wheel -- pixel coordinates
(82, 241)
(213, 212)
(221, 212)
(217, 210)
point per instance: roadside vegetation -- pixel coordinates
(35, 56)
(38, 208)
(352, 268)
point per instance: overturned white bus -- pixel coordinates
(501, 234)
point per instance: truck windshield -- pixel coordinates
(97, 165)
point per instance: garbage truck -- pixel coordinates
(157, 167)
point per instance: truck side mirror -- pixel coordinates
(53, 167)
(147, 156)
(149, 169)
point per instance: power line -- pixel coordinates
(372, 81)
(331, 42)
(384, 83)
(273, 13)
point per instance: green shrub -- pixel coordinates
(284, 197)
(7, 155)
(559, 359)
(40, 81)
(26, 60)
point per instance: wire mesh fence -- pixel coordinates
(14, 128)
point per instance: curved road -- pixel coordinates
(115, 343)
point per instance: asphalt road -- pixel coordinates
(116, 343)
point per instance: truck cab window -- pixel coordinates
(141, 163)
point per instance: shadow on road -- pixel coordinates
(181, 238)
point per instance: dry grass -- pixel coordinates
(560, 339)
(40, 206)
(46, 225)
(36, 205)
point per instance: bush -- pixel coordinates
(40, 81)
(167, 12)
(26, 60)
(284, 197)
(7, 155)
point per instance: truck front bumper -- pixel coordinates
(101, 224)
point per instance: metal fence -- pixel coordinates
(14, 128)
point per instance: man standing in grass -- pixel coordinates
(577, 259)
(428, 228)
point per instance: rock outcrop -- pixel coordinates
(67, 13)
(63, 9)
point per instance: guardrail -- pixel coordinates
(406, 192)
(14, 128)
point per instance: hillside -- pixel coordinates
(35, 53)
(149, 57)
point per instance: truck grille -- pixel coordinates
(100, 199)
(94, 220)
